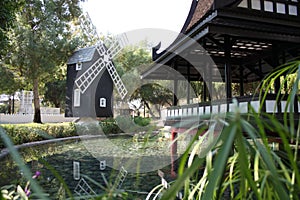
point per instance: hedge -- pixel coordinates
(23, 133)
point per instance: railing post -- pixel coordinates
(174, 135)
(228, 79)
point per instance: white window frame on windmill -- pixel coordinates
(77, 97)
(76, 170)
(102, 102)
(78, 66)
(102, 165)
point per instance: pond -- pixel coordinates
(100, 159)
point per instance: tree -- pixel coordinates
(154, 94)
(132, 57)
(8, 86)
(55, 93)
(7, 81)
(132, 60)
(42, 40)
(7, 10)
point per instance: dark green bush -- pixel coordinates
(3, 108)
(23, 133)
(110, 128)
(142, 121)
(125, 124)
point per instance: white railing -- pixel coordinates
(270, 105)
(287, 7)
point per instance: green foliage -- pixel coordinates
(8, 8)
(109, 126)
(154, 94)
(42, 40)
(243, 164)
(23, 133)
(20, 163)
(132, 57)
(142, 121)
(125, 124)
(3, 108)
(244, 167)
(55, 93)
(7, 81)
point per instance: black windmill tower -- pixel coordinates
(91, 75)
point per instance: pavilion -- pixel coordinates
(234, 42)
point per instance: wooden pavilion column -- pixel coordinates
(228, 78)
(275, 58)
(207, 82)
(241, 80)
(175, 100)
(210, 81)
(204, 91)
(188, 86)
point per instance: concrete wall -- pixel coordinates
(46, 118)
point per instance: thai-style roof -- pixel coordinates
(82, 55)
(204, 6)
(257, 32)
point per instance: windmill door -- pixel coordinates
(104, 96)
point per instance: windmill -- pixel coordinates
(81, 84)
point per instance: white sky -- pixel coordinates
(119, 16)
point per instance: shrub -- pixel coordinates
(109, 126)
(23, 133)
(3, 108)
(142, 121)
(125, 124)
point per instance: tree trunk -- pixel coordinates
(9, 106)
(150, 111)
(157, 107)
(13, 103)
(36, 102)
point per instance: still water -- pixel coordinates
(94, 163)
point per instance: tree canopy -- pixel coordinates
(7, 10)
(133, 57)
(154, 94)
(41, 40)
(7, 82)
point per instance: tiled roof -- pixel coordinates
(82, 55)
(202, 8)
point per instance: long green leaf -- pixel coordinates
(20, 163)
(172, 191)
(219, 166)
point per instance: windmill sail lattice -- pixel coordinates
(105, 60)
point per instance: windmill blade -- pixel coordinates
(86, 79)
(103, 52)
(116, 79)
(120, 42)
(88, 27)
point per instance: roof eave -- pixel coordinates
(181, 44)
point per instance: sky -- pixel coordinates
(120, 16)
(117, 16)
